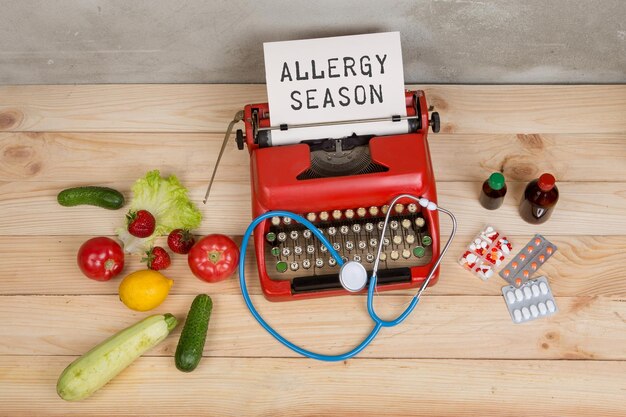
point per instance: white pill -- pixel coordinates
(526, 313)
(543, 287)
(527, 293)
(535, 289)
(518, 315)
(510, 297)
(551, 306)
(534, 311)
(519, 295)
(542, 309)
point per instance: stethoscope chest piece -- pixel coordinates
(353, 276)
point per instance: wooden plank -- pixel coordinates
(61, 156)
(583, 265)
(298, 387)
(30, 208)
(462, 327)
(208, 108)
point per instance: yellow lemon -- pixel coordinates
(144, 290)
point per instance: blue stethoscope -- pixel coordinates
(352, 276)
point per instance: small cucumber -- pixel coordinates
(104, 197)
(193, 336)
(95, 368)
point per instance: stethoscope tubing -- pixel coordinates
(378, 322)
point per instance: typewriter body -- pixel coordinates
(342, 185)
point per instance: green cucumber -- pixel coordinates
(95, 368)
(192, 338)
(104, 197)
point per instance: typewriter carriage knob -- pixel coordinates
(240, 139)
(435, 122)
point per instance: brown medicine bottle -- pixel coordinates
(493, 191)
(539, 199)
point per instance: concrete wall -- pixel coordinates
(444, 41)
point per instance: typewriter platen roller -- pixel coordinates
(342, 185)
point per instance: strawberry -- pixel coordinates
(157, 258)
(180, 241)
(140, 223)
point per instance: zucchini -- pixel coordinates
(104, 197)
(95, 368)
(192, 338)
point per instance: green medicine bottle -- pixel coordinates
(493, 191)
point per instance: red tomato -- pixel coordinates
(100, 258)
(213, 258)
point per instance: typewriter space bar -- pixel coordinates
(331, 281)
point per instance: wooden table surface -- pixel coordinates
(458, 354)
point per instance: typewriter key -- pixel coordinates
(275, 221)
(323, 249)
(286, 251)
(380, 225)
(369, 227)
(275, 251)
(419, 251)
(294, 234)
(393, 225)
(399, 208)
(383, 256)
(294, 266)
(412, 208)
(427, 240)
(410, 239)
(394, 255)
(384, 209)
(373, 211)
(311, 217)
(370, 257)
(356, 228)
(406, 254)
(336, 246)
(356, 258)
(287, 221)
(386, 241)
(344, 229)
(373, 242)
(332, 261)
(362, 244)
(306, 233)
(332, 231)
(281, 266)
(271, 236)
(282, 236)
(349, 214)
(397, 239)
(337, 214)
(310, 249)
(361, 212)
(297, 250)
(324, 216)
(344, 259)
(420, 222)
(306, 264)
(319, 262)
(406, 223)
(349, 245)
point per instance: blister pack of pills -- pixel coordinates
(487, 251)
(530, 301)
(529, 259)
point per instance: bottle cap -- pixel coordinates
(496, 181)
(546, 182)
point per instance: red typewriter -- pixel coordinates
(342, 185)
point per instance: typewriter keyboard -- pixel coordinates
(293, 251)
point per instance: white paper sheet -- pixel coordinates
(335, 79)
